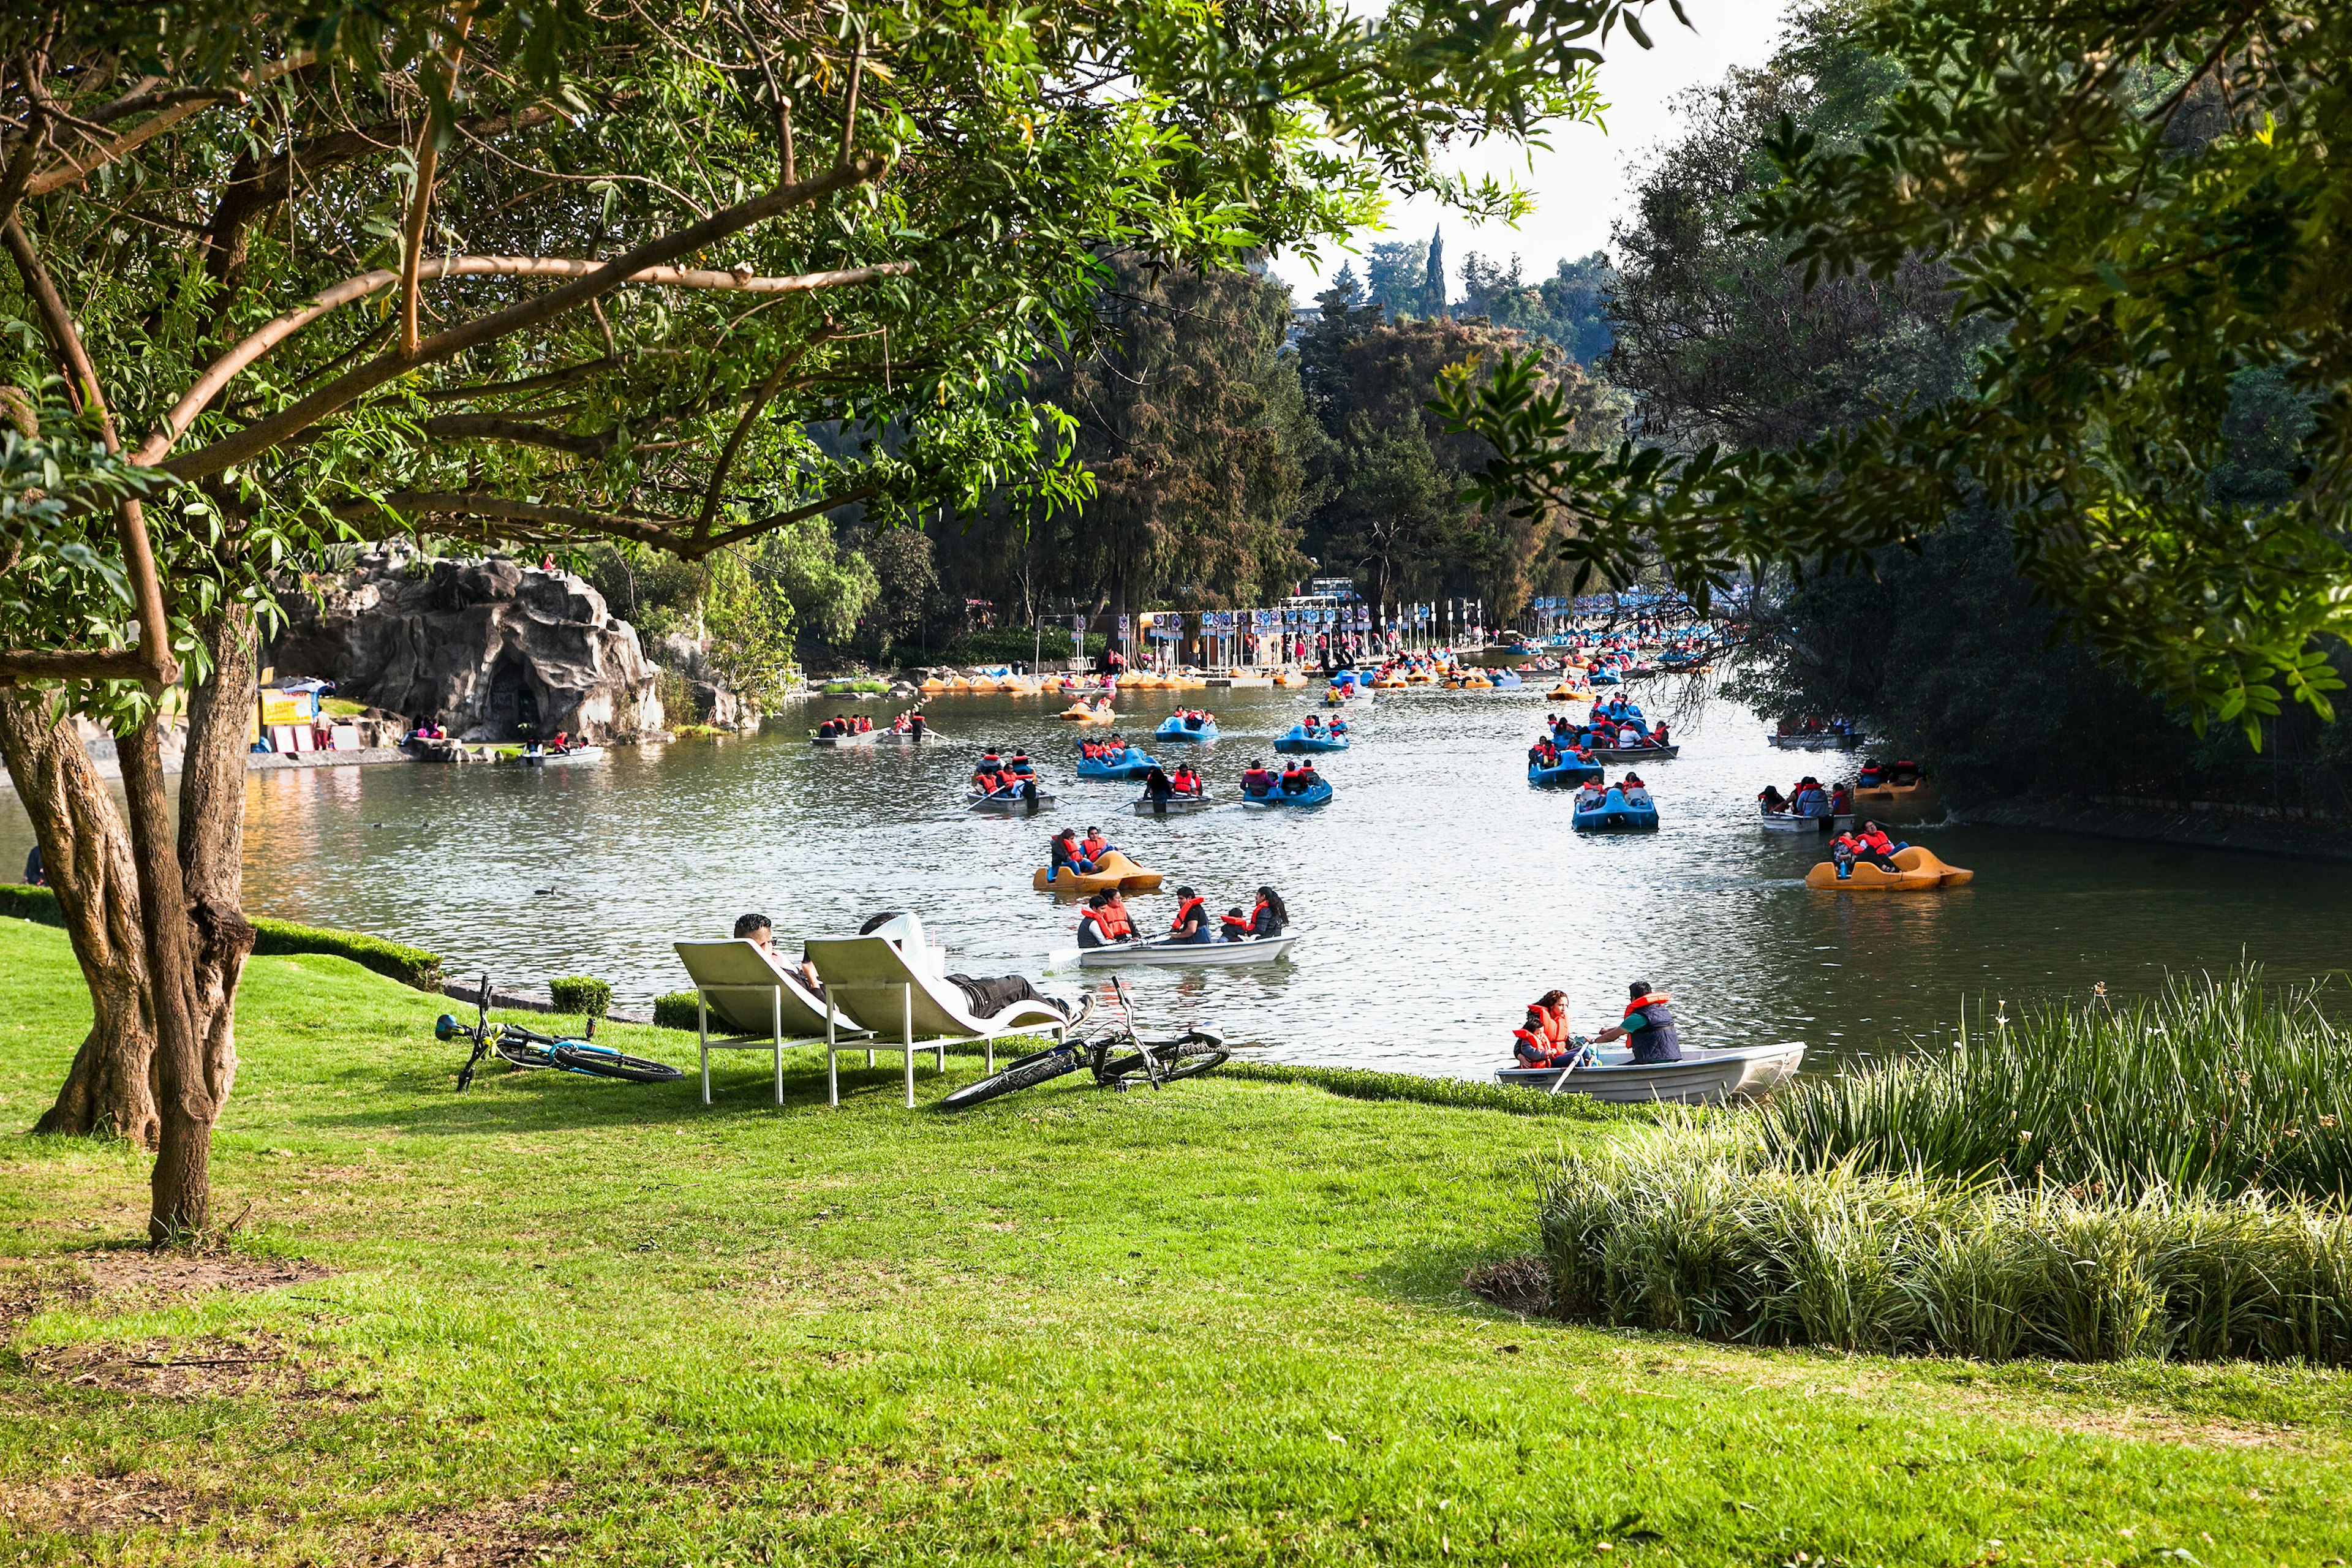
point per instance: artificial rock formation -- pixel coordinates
(486, 650)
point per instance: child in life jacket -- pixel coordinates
(1542, 1039)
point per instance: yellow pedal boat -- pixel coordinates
(1918, 871)
(1115, 870)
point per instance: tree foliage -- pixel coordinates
(2144, 199)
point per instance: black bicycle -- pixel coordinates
(1157, 1059)
(529, 1048)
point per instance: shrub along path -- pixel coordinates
(1222, 1324)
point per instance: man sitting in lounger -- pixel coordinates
(762, 936)
(991, 996)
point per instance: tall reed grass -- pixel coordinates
(1698, 1233)
(2218, 1084)
(2163, 1178)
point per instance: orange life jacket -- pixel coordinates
(1184, 912)
(1638, 1003)
(1555, 1025)
(1234, 925)
(1112, 924)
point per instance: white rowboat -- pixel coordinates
(1701, 1077)
(1188, 954)
(1174, 805)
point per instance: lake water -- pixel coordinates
(1438, 893)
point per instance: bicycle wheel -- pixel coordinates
(1038, 1067)
(1188, 1054)
(573, 1056)
(522, 1053)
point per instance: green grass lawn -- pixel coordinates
(563, 1320)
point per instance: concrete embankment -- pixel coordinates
(2207, 824)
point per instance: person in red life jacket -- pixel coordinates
(1307, 778)
(1290, 783)
(1313, 723)
(1267, 919)
(1658, 735)
(1845, 850)
(1841, 801)
(1104, 923)
(1543, 754)
(559, 745)
(1095, 847)
(1192, 922)
(1018, 763)
(1256, 781)
(1184, 780)
(989, 775)
(1649, 1023)
(1877, 847)
(1064, 852)
(1543, 1040)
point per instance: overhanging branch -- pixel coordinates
(345, 389)
(318, 405)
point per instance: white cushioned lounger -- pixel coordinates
(871, 981)
(760, 1003)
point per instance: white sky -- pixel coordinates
(1585, 182)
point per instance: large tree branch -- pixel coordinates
(78, 166)
(158, 668)
(492, 428)
(420, 202)
(752, 410)
(599, 281)
(318, 405)
(670, 533)
(21, 665)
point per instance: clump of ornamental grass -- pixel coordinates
(2160, 1179)
(2217, 1084)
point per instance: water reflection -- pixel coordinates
(1439, 892)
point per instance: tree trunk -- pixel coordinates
(212, 838)
(180, 1190)
(86, 856)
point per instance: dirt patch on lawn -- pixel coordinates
(98, 1505)
(208, 1366)
(131, 1279)
(497, 1534)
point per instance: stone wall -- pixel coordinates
(484, 649)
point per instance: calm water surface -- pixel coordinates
(1438, 893)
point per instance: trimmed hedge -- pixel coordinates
(1362, 1083)
(409, 965)
(581, 994)
(678, 1010)
(37, 905)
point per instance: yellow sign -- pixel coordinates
(285, 708)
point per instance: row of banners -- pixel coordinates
(1175, 626)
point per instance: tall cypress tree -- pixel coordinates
(1434, 289)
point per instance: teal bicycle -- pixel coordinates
(529, 1048)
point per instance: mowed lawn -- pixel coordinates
(561, 1319)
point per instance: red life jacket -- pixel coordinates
(1113, 924)
(1234, 925)
(1184, 912)
(1638, 1003)
(1555, 1025)
(1878, 843)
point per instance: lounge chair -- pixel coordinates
(874, 983)
(761, 1004)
